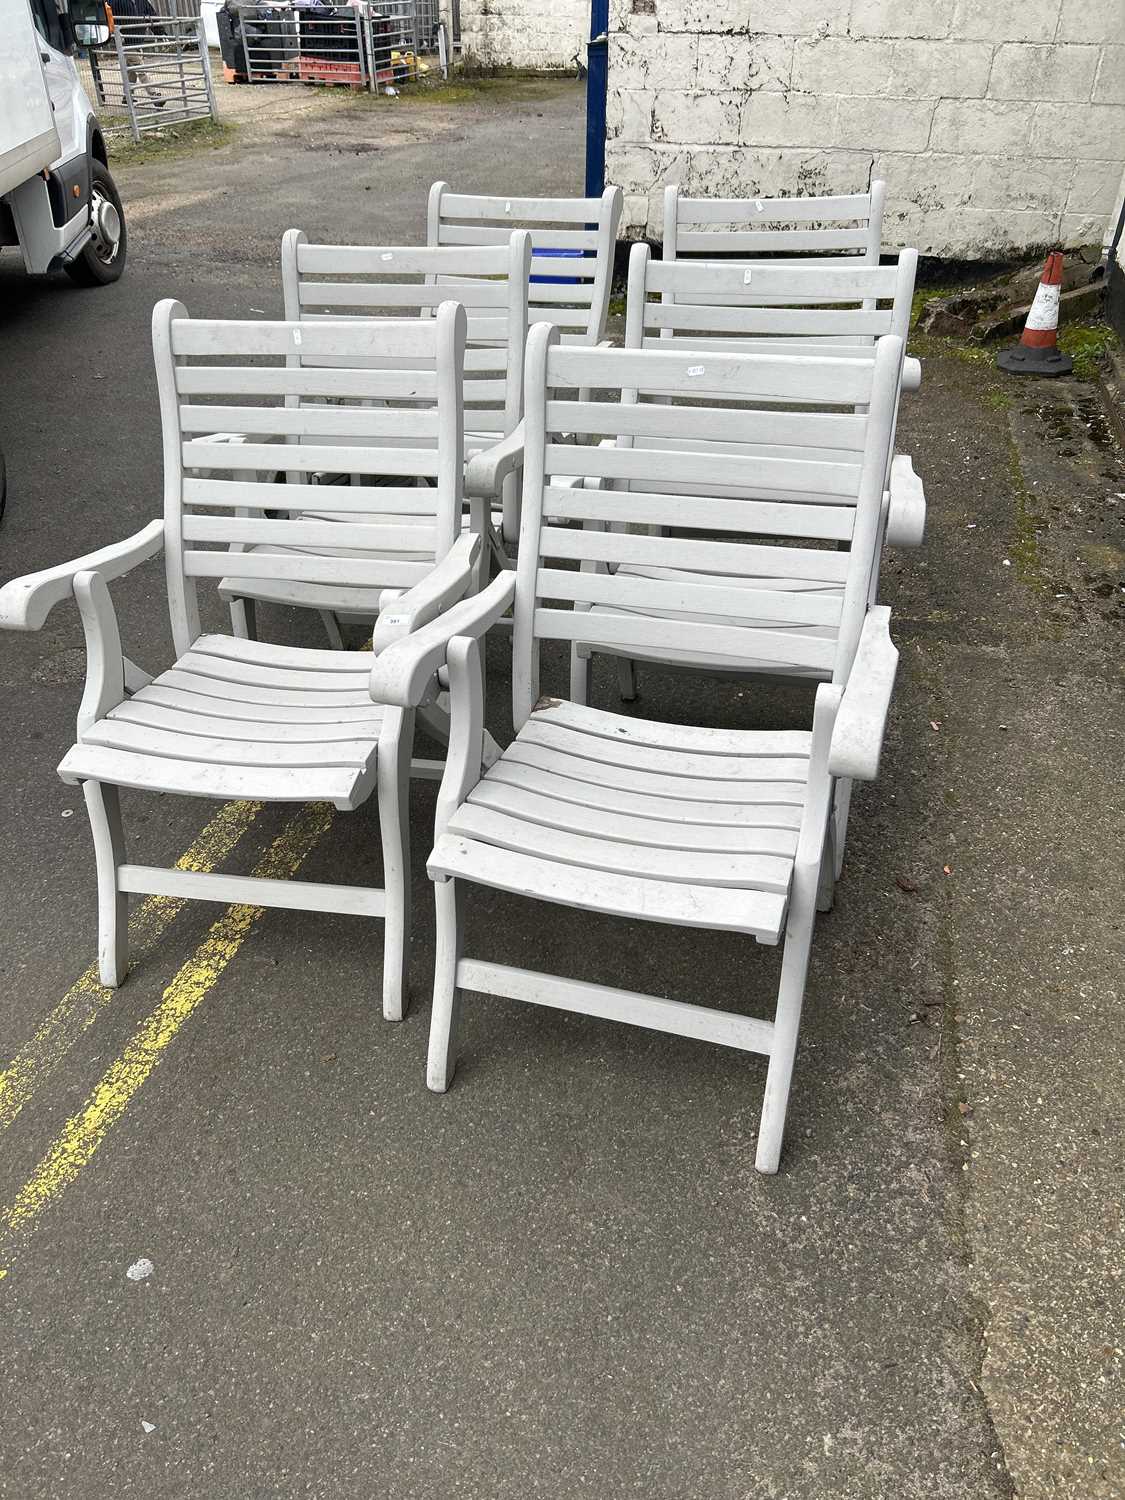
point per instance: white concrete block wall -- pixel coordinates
(537, 34)
(998, 124)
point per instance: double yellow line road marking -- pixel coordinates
(84, 1132)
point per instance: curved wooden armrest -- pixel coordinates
(26, 602)
(857, 738)
(437, 591)
(911, 373)
(402, 673)
(906, 513)
(485, 472)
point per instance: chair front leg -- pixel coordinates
(103, 807)
(441, 1061)
(787, 1020)
(396, 743)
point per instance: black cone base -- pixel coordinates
(1020, 360)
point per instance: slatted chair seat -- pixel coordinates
(234, 718)
(619, 815)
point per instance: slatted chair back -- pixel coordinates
(850, 225)
(773, 307)
(573, 242)
(334, 282)
(803, 548)
(263, 381)
(724, 305)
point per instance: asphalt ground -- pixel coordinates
(564, 1278)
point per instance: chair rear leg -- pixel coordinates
(626, 679)
(332, 628)
(579, 676)
(103, 806)
(840, 811)
(244, 619)
(441, 1063)
(787, 1021)
(395, 745)
(826, 885)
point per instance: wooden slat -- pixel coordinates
(688, 317)
(656, 784)
(192, 778)
(475, 207)
(826, 210)
(543, 294)
(252, 531)
(703, 513)
(357, 571)
(698, 1023)
(115, 734)
(283, 674)
(860, 350)
(802, 283)
(757, 912)
(546, 239)
(809, 429)
(796, 377)
(308, 458)
(785, 475)
(244, 693)
(623, 729)
(323, 382)
(313, 421)
(164, 696)
(653, 634)
(626, 828)
(393, 294)
(404, 260)
(741, 559)
(682, 867)
(366, 499)
(155, 715)
(398, 338)
(352, 664)
(739, 603)
(574, 268)
(758, 241)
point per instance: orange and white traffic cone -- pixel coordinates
(1038, 352)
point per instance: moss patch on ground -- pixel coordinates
(1087, 344)
(175, 141)
(480, 88)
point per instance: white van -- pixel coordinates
(58, 202)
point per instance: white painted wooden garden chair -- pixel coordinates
(570, 287)
(340, 282)
(715, 829)
(235, 718)
(849, 225)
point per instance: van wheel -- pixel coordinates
(102, 259)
